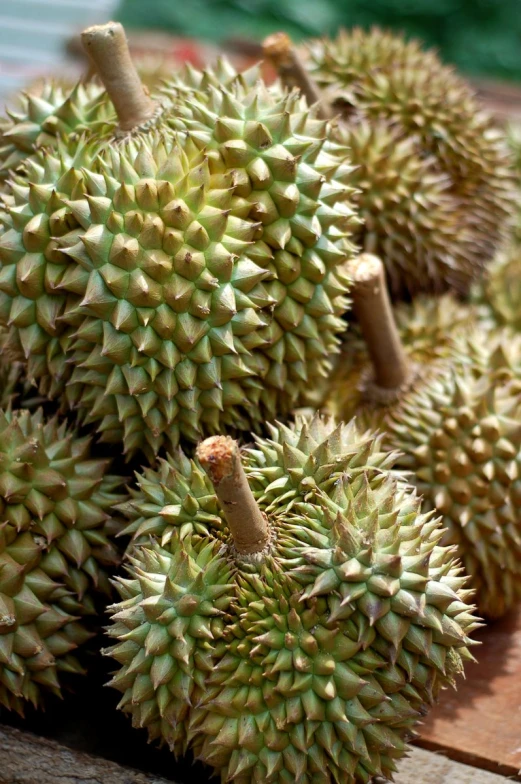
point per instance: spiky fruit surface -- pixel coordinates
(52, 488)
(313, 661)
(36, 633)
(175, 494)
(499, 297)
(34, 221)
(447, 160)
(12, 375)
(428, 329)
(193, 283)
(405, 201)
(460, 437)
(55, 547)
(42, 117)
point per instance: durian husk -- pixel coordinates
(450, 161)
(337, 626)
(460, 437)
(56, 550)
(235, 295)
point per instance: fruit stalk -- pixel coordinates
(220, 458)
(373, 311)
(281, 53)
(107, 47)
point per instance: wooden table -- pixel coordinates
(480, 724)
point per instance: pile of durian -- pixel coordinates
(294, 309)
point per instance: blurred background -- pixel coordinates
(482, 38)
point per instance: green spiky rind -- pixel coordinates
(176, 495)
(460, 438)
(41, 119)
(190, 80)
(168, 625)
(380, 77)
(331, 647)
(402, 200)
(430, 330)
(36, 634)
(55, 547)
(36, 222)
(200, 316)
(52, 489)
(499, 297)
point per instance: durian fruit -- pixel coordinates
(175, 494)
(48, 114)
(205, 280)
(454, 419)
(499, 295)
(51, 488)
(434, 171)
(460, 437)
(34, 221)
(36, 634)
(302, 634)
(56, 510)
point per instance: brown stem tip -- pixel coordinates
(373, 311)
(279, 50)
(220, 457)
(107, 47)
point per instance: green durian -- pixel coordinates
(56, 507)
(435, 171)
(45, 115)
(452, 414)
(498, 296)
(193, 283)
(302, 640)
(193, 319)
(34, 222)
(36, 634)
(460, 437)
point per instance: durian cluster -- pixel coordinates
(189, 277)
(179, 269)
(312, 661)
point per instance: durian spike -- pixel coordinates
(107, 47)
(278, 49)
(372, 308)
(220, 457)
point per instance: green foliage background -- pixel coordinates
(478, 36)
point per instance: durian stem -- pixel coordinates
(279, 50)
(107, 47)
(220, 457)
(373, 311)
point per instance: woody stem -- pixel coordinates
(107, 47)
(279, 50)
(220, 458)
(373, 311)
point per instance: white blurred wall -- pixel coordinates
(34, 34)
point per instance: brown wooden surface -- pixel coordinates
(480, 723)
(425, 767)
